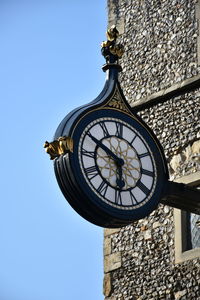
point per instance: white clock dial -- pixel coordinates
(117, 163)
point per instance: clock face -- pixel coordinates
(116, 164)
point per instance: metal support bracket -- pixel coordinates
(182, 196)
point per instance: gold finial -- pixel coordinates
(111, 45)
(62, 145)
(112, 33)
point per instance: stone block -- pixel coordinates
(107, 246)
(196, 147)
(112, 262)
(175, 162)
(107, 285)
(188, 152)
(191, 179)
(109, 231)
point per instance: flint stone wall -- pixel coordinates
(160, 40)
(176, 123)
(147, 268)
(161, 53)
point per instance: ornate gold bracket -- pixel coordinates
(111, 47)
(62, 145)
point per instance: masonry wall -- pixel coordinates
(161, 80)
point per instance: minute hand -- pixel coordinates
(117, 159)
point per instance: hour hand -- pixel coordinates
(119, 161)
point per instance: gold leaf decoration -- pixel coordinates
(117, 102)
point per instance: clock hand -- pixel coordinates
(119, 181)
(119, 161)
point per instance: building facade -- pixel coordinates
(159, 257)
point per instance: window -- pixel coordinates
(193, 231)
(187, 228)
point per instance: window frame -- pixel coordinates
(181, 254)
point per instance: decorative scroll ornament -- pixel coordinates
(60, 146)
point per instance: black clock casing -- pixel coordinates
(117, 171)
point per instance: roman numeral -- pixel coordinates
(119, 130)
(147, 172)
(133, 199)
(143, 155)
(91, 172)
(87, 153)
(102, 189)
(104, 128)
(118, 197)
(133, 139)
(143, 187)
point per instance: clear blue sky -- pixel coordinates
(50, 63)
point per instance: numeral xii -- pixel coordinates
(119, 130)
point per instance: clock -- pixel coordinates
(117, 171)
(113, 171)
